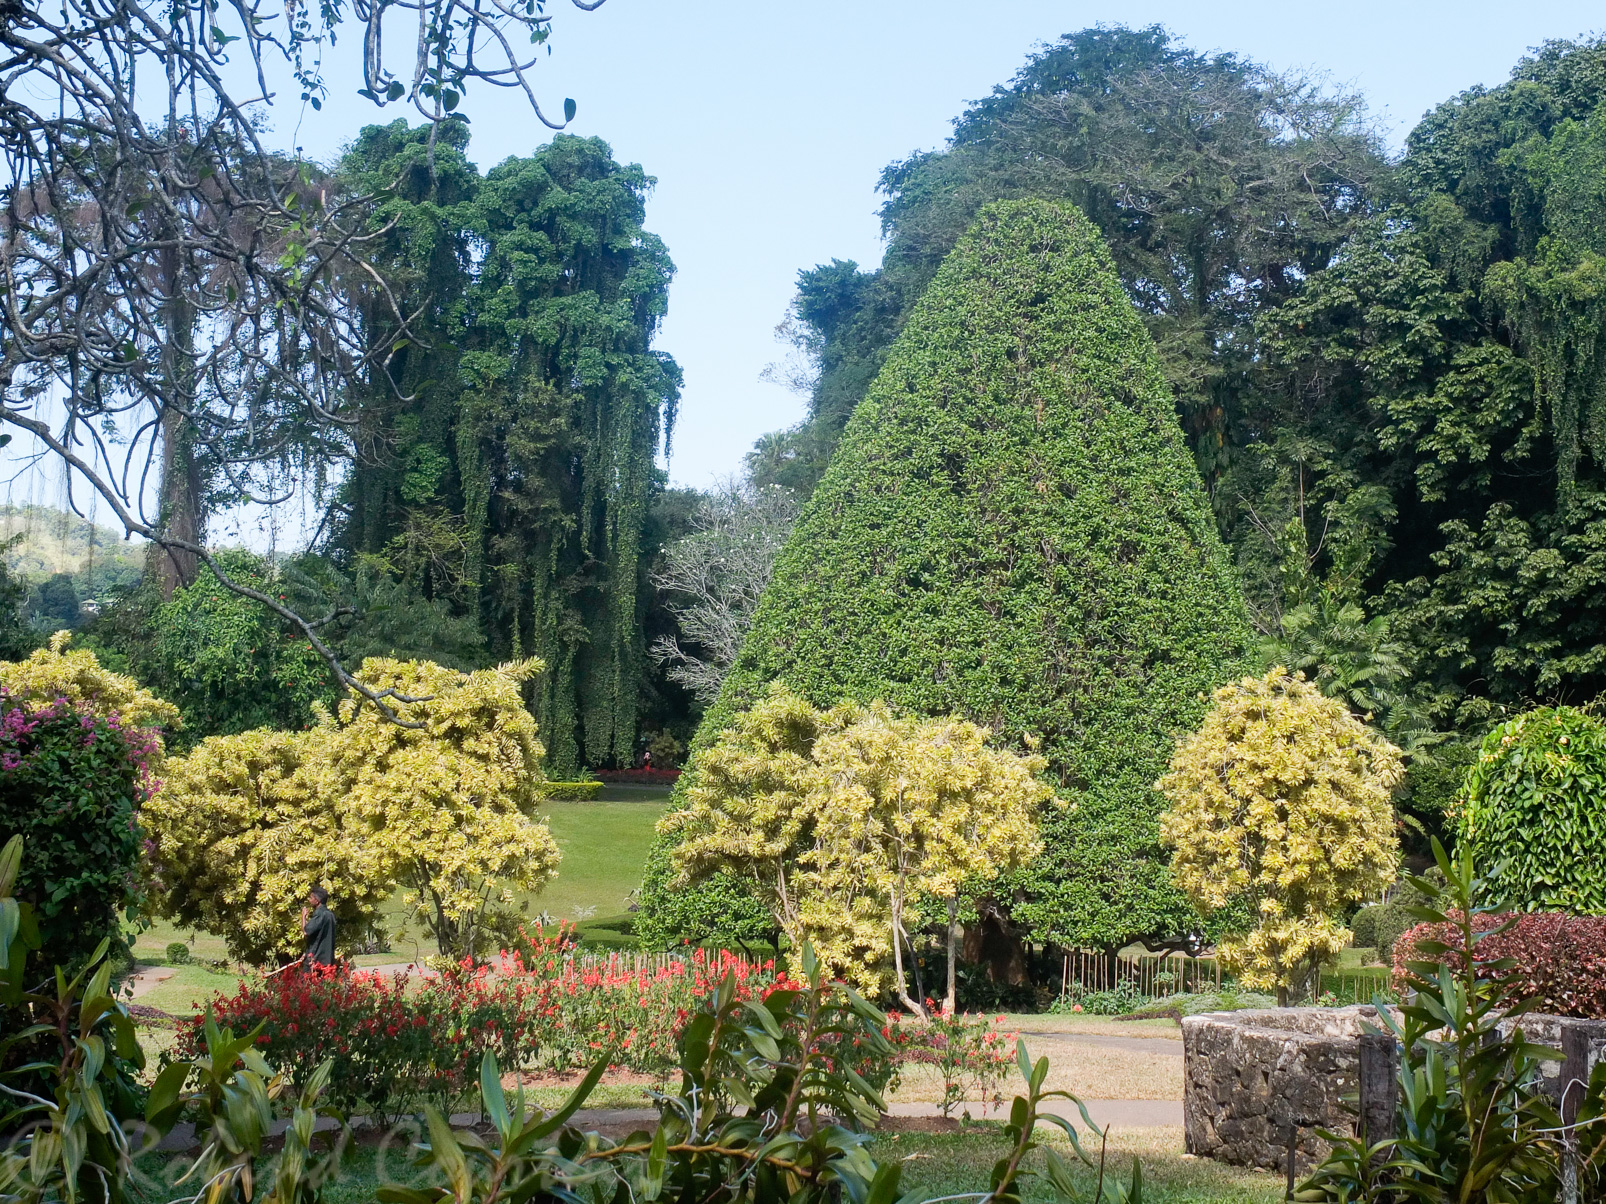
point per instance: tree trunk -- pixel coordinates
(994, 941)
(180, 488)
(950, 1000)
(897, 964)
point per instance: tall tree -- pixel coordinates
(1217, 184)
(515, 479)
(1438, 400)
(1013, 531)
(171, 288)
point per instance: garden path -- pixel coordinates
(145, 979)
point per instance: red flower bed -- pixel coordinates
(1561, 959)
(393, 1039)
(379, 1038)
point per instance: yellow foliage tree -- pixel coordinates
(58, 671)
(1282, 798)
(439, 805)
(844, 818)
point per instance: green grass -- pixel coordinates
(604, 847)
(934, 1164)
(940, 1164)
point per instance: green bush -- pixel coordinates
(1379, 926)
(1364, 928)
(570, 792)
(1536, 811)
(178, 954)
(71, 783)
(1013, 530)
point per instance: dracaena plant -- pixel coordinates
(233, 1094)
(66, 1067)
(1472, 1124)
(69, 1099)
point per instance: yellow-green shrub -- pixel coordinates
(58, 671)
(248, 823)
(842, 818)
(1282, 798)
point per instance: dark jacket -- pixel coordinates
(320, 933)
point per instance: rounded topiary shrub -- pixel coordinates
(1012, 530)
(1535, 810)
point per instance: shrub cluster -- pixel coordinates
(1534, 798)
(640, 777)
(568, 792)
(71, 783)
(1559, 959)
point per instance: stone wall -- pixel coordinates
(1248, 1075)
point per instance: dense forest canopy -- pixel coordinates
(1389, 369)
(501, 498)
(515, 483)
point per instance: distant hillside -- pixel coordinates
(57, 542)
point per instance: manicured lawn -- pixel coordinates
(604, 847)
(939, 1164)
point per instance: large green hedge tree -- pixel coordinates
(1013, 530)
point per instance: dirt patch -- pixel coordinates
(919, 1124)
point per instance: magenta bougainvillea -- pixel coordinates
(72, 783)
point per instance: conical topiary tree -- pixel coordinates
(1013, 530)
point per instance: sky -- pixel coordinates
(767, 125)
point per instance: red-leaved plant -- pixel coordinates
(1560, 959)
(394, 1039)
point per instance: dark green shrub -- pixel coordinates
(71, 783)
(1536, 811)
(229, 664)
(178, 954)
(1364, 928)
(570, 792)
(1013, 530)
(1472, 1119)
(1379, 926)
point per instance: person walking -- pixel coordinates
(318, 926)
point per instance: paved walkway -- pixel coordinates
(1166, 1046)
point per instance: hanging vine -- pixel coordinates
(536, 415)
